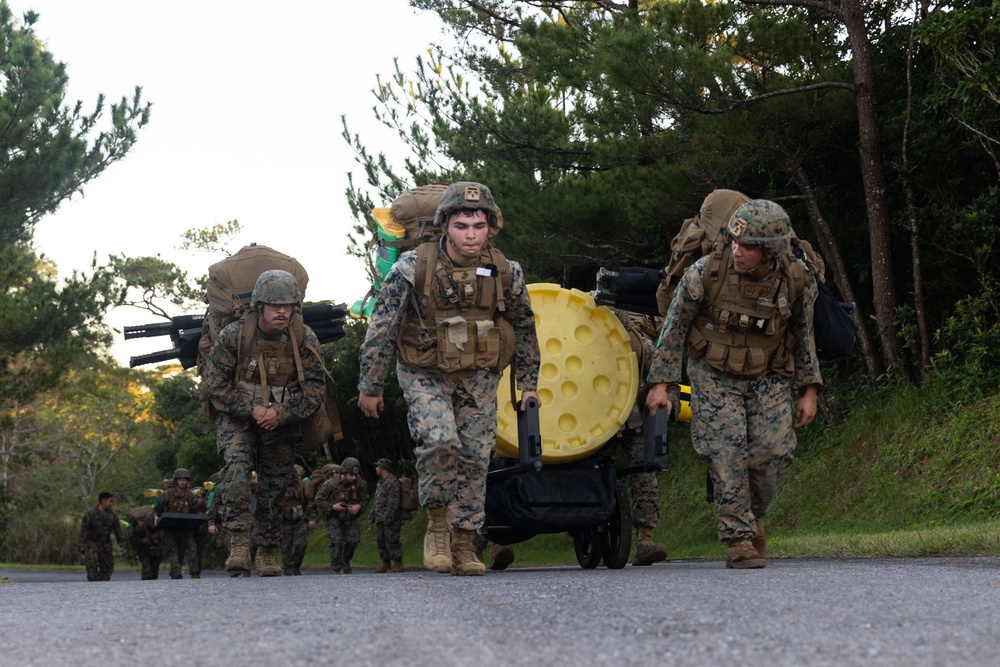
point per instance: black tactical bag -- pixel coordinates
(557, 498)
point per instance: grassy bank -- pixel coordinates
(906, 473)
(901, 476)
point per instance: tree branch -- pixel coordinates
(812, 4)
(778, 93)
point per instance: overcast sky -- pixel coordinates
(245, 125)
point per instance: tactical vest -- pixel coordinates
(457, 318)
(341, 492)
(178, 500)
(742, 328)
(294, 503)
(269, 371)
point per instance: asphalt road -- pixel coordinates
(931, 611)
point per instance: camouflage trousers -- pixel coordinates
(387, 538)
(744, 428)
(294, 541)
(245, 447)
(99, 558)
(454, 423)
(178, 547)
(344, 538)
(644, 492)
(149, 561)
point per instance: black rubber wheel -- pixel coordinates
(588, 554)
(615, 545)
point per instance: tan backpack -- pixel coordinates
(230, 285)
(409, 501)
(228, 291)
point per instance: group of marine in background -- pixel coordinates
(181, 521)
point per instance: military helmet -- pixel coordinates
(385, 464)
(350, 465)
(466, 194)
(762, 223)
(276, 287)
(182, 473)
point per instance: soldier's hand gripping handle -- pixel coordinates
(657, 398)
(529, 434)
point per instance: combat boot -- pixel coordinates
(239, 553)
(501, 556)
(740, 555)
(437, 548)
(397, 567)
(463, 555)
(347, 568)
(647, 551)
(267, 566)
(760, 539)
(383, 568)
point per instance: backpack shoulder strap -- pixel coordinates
(427, 260)
(712, 277)
(502, 278)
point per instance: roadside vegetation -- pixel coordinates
(600, 126)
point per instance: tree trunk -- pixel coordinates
(830, 251)
(869, 152)
(911, 206)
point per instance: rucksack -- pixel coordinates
(835, 330)
(833, 327)
(230, 286)
(406, 223)
(409, 502)
(316, 480)
(228, 292)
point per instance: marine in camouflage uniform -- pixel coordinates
(178, 544)
(644, 490)
(297, 519)
(147, 542)
(452, 404)
(341, 500)
(99, 523)
(387, 516)
(257, 428)
(743, 420)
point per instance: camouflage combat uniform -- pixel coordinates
(343, 529)
(452, 416)
(148, 545)
(644, 492)
(743, 425)
(246, 446)
(96, 530)
(179, 545)
(295, 516)
(387, 515)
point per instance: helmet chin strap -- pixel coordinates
(457, 249)
(766, 259)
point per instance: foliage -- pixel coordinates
(49, 150)
(366, 439)
(97, 414)
(41, 524)
(183, 439)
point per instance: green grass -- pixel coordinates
(901, 472)
(901, 476)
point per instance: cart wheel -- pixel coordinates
(588, 554)
(616, 544)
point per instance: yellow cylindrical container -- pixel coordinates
(587, 381)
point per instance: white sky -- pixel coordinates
(247, 99)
